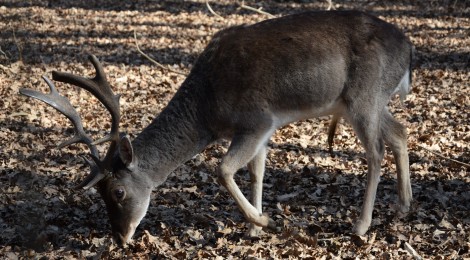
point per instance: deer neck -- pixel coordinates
(177, 134)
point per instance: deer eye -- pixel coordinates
(119, 193)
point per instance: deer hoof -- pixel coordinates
(275, 227)
(254, 231)
(361, 227)
(402, 210)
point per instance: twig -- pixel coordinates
(443, 243)
(212, 11)
(3, 53)
(20, 50)
(330, 5)
(371, 243)
(244, 6)
(19, 114)
(442, 156)
(5, 68)
(412, 251)
(152, 60)
(256, 10)
(328, 239)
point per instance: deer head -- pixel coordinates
(115, 176)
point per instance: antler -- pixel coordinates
(63, 105)
(100, 88)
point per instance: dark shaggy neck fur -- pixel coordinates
(178, 133)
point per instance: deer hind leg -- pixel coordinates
(243, 149)
(367, 128)
(394, 135)
(332, 131)
(256, 169)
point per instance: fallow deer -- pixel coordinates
(249, 81)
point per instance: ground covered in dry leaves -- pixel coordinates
(315, 195)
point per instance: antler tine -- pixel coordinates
(100, 88)
(95, 176)
(62, 104)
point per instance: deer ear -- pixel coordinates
(126, 152)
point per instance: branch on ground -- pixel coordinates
(154, 61)
(244, 6)
(212, 11)
(330, 5)
(18, 46)
(442, 156)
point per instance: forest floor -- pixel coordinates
(316, 195)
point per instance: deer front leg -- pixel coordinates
(241, 151)
(373, 177)
(256, 169)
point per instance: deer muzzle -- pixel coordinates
(123, 237)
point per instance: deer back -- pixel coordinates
(300, 66)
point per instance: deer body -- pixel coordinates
(251, 80)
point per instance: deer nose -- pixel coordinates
(119, 239)
(122, 234)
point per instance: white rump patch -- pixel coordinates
(403, 87)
